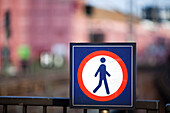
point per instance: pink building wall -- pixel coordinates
(37, 23)
(44, 23)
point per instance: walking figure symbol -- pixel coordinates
(103, 73)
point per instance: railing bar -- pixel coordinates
(64, 109)
(152, 111)
(4, 108)
(35, 101)
(129, 111)
(85, 110)
(148, 104)
(24, 109)
(44, 109)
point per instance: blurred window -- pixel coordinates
(96, 37)
(88, 10)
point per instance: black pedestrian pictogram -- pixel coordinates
(103, 73)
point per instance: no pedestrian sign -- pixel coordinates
(102, 75)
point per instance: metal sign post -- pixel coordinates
(104, 111)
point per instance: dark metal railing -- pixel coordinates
(151, 106)
(33, 101)
(167, 109)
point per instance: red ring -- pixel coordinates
(102, 98)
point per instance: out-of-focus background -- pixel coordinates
(35, 37)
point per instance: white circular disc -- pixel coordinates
(112, 67)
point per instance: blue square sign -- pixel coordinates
(103, 75)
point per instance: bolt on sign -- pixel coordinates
(102, 75)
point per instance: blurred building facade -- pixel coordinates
(157, 14)
(41, 24)
(115, 27)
